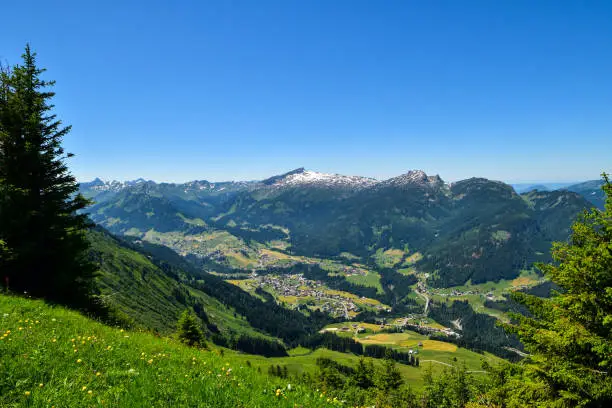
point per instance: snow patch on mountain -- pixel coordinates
(309, 177)
(114, 185)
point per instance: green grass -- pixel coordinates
(115, 368)
(371, 279)
(388, 258)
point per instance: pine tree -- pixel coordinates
(389, 377)
(363, 376)
(569, 336)
(189, 330)
(453, 387)
(38, 216)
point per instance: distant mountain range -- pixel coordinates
(472, 229)
(525, 187)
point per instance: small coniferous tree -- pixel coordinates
(330, 379)
(568, 336)
(363, 376)
(453, 387)
(389, 377)
(39, 219)
(189, 330)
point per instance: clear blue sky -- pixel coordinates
(179, 90)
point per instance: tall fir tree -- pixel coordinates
(568, 336)
(39, 219)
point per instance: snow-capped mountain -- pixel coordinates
(313, 178)
(294, 178)
(204, 186)
(114, 185)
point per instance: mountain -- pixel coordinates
(474, 229)
(590, 190)
(303, 177)
(544, 186)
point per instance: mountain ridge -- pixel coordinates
(455, 227)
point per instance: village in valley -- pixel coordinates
(294, 290)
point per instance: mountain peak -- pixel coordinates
(274, 179)
(302, 176)
(95, 182)
(414, 177)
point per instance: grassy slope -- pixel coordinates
(114, 368)
(141, 290)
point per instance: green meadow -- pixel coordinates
(53, 357)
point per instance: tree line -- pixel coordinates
(333, 342)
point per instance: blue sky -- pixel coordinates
(179, 90)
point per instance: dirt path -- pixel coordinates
(436, 361)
